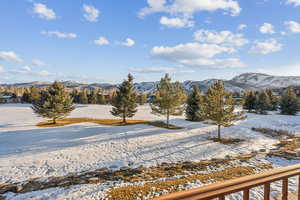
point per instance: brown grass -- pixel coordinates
(107, 122)
(226, 141)
(163, 125)
(137, 192)
(274, 133)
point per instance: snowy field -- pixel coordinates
(27, 151)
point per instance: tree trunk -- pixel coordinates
(219, 132)
(168, 118)
(124, 118)
(54, 120)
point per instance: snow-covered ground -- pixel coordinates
(27, 151)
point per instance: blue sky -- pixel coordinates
(103, 41)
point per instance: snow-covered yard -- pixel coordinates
(27, 151)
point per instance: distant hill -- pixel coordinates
(241, 82)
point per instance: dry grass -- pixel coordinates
(273, 132)
(163, 125)
(137, 192)
(107, 122)
(289, 144)
(226, 141)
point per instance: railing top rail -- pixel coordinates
(235, 185)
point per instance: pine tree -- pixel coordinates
(273, 100)
(55, 103)
(263, 103)
(124, 102)
(168, 98)
(93, 97)
(83, 97)
(194, 100)
(26, 96)
(142, 99)
(219, 107)
(75, 96)
(289, 103)
(34, 94)
(250, 101)
(101, 99)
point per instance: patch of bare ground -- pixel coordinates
(188, 171)
(107, 122)
(274, 133)
(226, 141)
(154, 189)
(288, 146)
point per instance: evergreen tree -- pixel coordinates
(75, 96)
(273, 100)
(124, 102)
(168, 98)
(289, 103)
(101, 99)
(219, 107)
(194, 100)
(26, 96)
(93, 97)
(263, 103)
(142, 99)
(34, 94)
(83, 97)
(55, 103)
(250, 101)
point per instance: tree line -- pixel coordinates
(169, 98)
(263, 101)
(85, 96)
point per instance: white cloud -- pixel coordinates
(37, 62)
(43, 11)
(27, 69)
(44, 73)
(295, 2)
(242, 27)
(101, 41)
(189, 7)
(164, 70)
(2, 69)
(10, 56)
(91, 13)
(292, 26)
(197, 55)
(267, 28)
(176, 22)
(223, 37)
(266, 47)
(214, 63)
(129, 42)
(189, 51)
(59, 34)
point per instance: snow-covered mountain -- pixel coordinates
(242, 82)
(266, 81)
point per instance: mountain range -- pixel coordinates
(246, 81)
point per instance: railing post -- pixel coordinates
(299, 187)
(285, 189)
(267, 191)
(246, 194)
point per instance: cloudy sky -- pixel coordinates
(103, 41)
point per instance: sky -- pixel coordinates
(104, 40)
